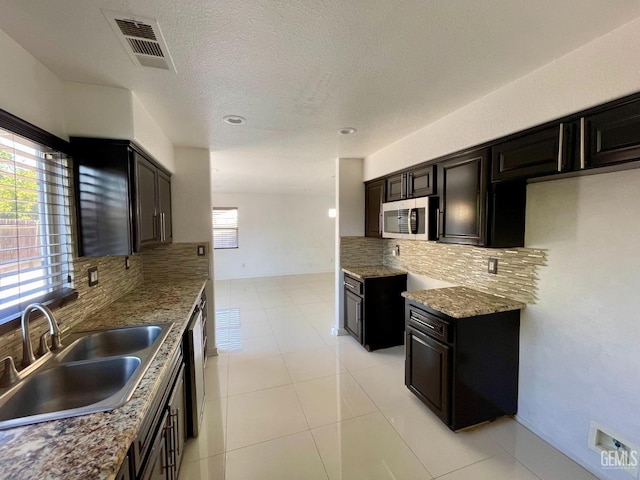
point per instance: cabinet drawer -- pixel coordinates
(354, 285)
(429, 324)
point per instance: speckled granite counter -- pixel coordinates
(93, 446)
(462, 302)
(372, 272)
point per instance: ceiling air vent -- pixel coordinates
(142, 39)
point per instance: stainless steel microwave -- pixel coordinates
(413, 219)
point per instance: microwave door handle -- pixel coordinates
(413, 214)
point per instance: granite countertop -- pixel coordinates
(462, 302)
(372, 271)
(93, 446)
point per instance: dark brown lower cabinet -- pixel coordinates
(427, 371)
(156, 453)
(157, 464)
(464, 369)
(125, 470)
(353, 314)
(373, 310)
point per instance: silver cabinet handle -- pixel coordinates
(163, 233)
(402, 185)
(582, 146)
(560, 142)
(437, 223)
(353, 287)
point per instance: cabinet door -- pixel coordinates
(353, 314)
(158, 466)
(462, 187)
(613, 136)
(177, 420)
(395, 188)
(374, 196)
(427, 372)
(541, 153)
(124, 473)
(164, 207)
(146, 194)
(421, 182)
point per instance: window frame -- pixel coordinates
(214, 228)
(35, 134)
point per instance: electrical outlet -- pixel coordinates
(492, 266)
(396, 251)
(127, 263)
(201, 251)
(92, 275)
(615, 451)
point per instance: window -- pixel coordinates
(225, 228)
(35, 222)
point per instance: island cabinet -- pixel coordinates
(464, 369)
(123, 197)
(373, 310)
(611, 136)
(472, 211)
(373, 198)
(542, 152)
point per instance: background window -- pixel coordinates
(225, 228)
(35, 224)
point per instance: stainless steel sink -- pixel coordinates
(110, 343)
(97, 372)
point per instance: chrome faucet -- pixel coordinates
(27, 350)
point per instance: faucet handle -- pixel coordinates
(43, 349)
(56, 343)
(10, 376)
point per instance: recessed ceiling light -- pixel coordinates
(234, 120)
(347, 131)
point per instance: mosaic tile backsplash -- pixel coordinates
(114, 281)
(464, 265)
(175, 260)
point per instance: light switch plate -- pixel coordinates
(92, 275)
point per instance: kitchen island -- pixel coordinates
(94, 446)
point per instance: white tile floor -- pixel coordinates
(286, 400)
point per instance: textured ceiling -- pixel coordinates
(300, 70)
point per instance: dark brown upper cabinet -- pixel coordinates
(473, 212)
(417, 182)
(123, 197)
(539, 153)
(153, 202)
(373, 198)
(462, 189)
(611, 136)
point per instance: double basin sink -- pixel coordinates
(98, 371)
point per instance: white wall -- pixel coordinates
(278, 235)
(191, 196)
(148, 134)
(108, 112)
(350, 197)
(29, 90)
(579, 357)
(580, 344)
(95, 111)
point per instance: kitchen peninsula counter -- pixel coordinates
(94, 446)
(462, 302)
(375, 271)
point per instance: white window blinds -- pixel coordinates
(225, 228)
(35, 223)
